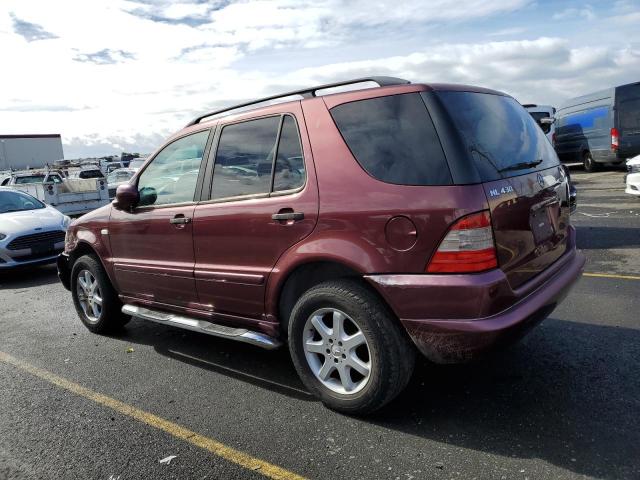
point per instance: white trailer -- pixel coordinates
(21, 152)
(70, 196)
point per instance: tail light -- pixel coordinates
(553, 139)
(615, 139)
(467, 247)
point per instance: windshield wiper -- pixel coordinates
(522, 165)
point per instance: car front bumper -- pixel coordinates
(10, 259)
(454, 318)
(632, 181)
(64, 272)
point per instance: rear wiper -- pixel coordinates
(522, 165)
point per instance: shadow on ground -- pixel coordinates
(602, 238)
(25, 277)
(567, 394)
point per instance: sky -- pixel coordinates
(123, 75)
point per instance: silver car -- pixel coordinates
(30, 231)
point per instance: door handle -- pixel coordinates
(295, 216)
(180, 220)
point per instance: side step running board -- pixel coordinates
(203, 326)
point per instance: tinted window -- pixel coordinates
(91, 174)
(628, 104)
(500, 134)
(244, 158)
(289, 173)
(393, 139)
(18, 201)
(172, 175)
(537, 116)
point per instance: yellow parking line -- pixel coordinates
(217, 448)
(612, 275)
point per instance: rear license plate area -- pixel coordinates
(541, 225)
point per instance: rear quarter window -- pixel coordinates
(393, 139)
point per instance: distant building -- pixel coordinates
(19, 152)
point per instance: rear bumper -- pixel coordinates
(64, 272)
(451, 338)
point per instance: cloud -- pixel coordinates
(507, 32)
(105, 57)
(146, 67)
(30, 31)
(575, 13)
(545, 70)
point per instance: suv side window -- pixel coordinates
(289, 172)
(172, 175)
(245, 158)
(393, 139)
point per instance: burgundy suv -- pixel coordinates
(355, 226)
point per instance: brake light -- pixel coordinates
(553, 139)
(615, 139)
(467, 247)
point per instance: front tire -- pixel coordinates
(348, 348)
(94, 298)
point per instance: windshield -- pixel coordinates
(501, 136)
(17, 202)
(30, 179)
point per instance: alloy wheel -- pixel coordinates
(337, 351)
(89, 295)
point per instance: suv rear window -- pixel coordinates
(501, 136)
(393, 139)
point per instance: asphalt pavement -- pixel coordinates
(563, 403)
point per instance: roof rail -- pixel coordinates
(306, 93)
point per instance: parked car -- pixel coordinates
(71, 196)
(632, 179)
(30, 231)
(544, 117)
(109, 167)
(118, 177)
(599, 128)
(379, 222)
(136, 163)
(31, 177)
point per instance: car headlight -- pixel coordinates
(66, 221)
(2, 236)
(633, 168)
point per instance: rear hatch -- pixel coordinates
(526, 189)
(628, 119)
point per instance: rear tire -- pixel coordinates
(359, 358)
(589, 164)
(94, 298)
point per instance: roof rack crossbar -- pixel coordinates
(306, 93)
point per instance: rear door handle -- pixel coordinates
(180, 220)
(295, 216)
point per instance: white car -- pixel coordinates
(633, 177)
(30, 231)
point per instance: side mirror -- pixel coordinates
(127, 197)
(547, 120)
(147, 196)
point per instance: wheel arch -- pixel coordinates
(85, 248)
(299, 278)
